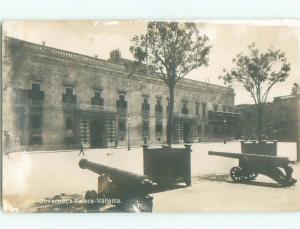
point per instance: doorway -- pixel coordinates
(97, 134)
(187, 127)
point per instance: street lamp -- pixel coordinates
(128, 131)
(224, 122)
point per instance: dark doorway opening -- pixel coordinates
(97, 134)
(187, 127)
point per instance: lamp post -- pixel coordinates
(128, 131)
(224, 128)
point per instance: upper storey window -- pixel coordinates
(122, 103)
(69, 96)
(184, 109)
(97, 100)
(158, 106)
(224, 108)
(215, 107)
(145, 105)
(197, 107)
(203, 109)
(35, 93)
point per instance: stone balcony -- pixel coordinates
(93, 107)
(185, 116)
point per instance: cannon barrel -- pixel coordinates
(121, 177)
(242, 156)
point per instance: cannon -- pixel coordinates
(131, 191)
(251, 165)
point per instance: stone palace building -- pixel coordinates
(55, 99)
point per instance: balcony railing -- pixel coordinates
(49, 51)
(97, 101)
(189, 116)
(69, 98)
(146, 114)
(36, 95)
(92, 107)
(122, 113)
(159, 115)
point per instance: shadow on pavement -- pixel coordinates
(226, 178)
(168, 187)
(213, 177)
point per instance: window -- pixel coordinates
(36, 129)
(69, 123)
(199, 131)
(145, 105)
(215, 107)
(122, 125)
(97, 100)
(197, 108)
(203, 109)
(69, 96)
(158, 106)
(121, 103)
(35, 93)
(145, 126)
(184, 109)
(224, 108)
(36, 87)
(145, 109)
(158, 128)
(36, 122)
(69, 91)
(97, 94)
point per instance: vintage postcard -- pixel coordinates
(150, 116)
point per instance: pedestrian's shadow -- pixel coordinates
(226, 178)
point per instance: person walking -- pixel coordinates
(81, 149)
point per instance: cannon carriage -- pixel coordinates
(131, 191)
(251, 165)
(164, 169)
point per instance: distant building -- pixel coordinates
(55, 99)
(281, 118)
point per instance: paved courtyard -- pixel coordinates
(30, 176)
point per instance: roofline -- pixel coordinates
(95, 60)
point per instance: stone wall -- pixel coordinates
(280, 119)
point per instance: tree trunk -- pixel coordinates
(260, 114)
(170, 115)
(172, 82)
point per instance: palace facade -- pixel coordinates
(55, 99)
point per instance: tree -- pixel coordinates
(258, 72)
(295, 89)
(173, 49)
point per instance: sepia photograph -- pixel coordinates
(150, 116)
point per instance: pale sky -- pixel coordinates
(227, 40)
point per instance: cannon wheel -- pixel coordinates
(253, 175)
(235, 174)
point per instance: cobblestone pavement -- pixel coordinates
(31, 176)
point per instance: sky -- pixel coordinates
(227, 39)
